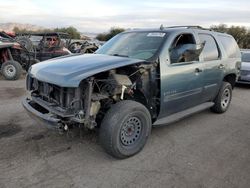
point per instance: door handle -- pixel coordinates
(198, 70)
(221, 66)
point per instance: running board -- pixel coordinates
(180, 115)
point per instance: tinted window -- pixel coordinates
(230, 45)
(245, 57)
(210, 51)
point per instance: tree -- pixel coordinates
(112, 32)
(101, 37)
(239, 33)
(17, 30)
(246, 43)
(220, 28)
(74, 34)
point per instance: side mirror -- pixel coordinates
(193, 52)
(200, 46)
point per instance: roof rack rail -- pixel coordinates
(186, 26)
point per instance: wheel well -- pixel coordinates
(140, 97)
(230, 78)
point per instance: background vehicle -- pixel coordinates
(83, 47)
(11, 54)
(47, 45)
(27, 49)
(137, 79)
(245, 67)
(10, 68)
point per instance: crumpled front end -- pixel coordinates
(86, 105)
(58, 107)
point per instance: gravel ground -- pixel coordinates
(204, 150)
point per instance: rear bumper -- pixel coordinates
(243, 82)
(45, 119)
(244, 79)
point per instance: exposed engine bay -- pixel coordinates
(87, 104)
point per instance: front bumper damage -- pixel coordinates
(76, 111)
(40, 116)
(51, 116)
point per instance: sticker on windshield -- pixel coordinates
(156, 34)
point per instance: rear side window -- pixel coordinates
(210, 51)
(245, 57)
(230, 46)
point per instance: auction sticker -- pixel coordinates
(156, 34)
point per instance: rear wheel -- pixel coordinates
(223, 99)
(125, 129)
(11, 70)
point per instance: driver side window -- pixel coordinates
(181, 48)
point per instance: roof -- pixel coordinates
(175, 28)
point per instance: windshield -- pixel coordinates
(245, 57)
(138, 45)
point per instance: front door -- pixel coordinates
(181, 78)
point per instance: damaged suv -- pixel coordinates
(137, 79)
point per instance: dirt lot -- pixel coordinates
(205, 150)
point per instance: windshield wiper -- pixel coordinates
(120, 55)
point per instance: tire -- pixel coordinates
(223, 99)
(11, 70)
(125, 129)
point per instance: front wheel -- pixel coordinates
(125, 129)
(223, 99)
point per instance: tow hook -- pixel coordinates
(66, 127)
(63, 128)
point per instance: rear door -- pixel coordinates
(213, 66)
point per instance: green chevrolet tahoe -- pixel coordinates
(138, 79)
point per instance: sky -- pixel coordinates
(100, 15)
